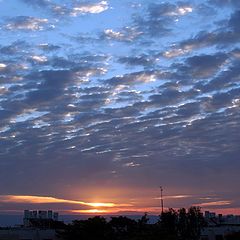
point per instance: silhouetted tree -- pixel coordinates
(168, 223)
(173, 225)
(196, 223)
(123, 227)
(183, 227)
(91, 229)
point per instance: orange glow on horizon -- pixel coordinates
(135, 207)
(125, 211)
(41, 199)
(89, 211)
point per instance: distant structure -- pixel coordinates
(37, 225)
(219, 226)
(37, 216)
(212, 218)
(55, 216)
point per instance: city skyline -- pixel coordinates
(103, 102)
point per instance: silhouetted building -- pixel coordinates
(55, 216)
(219, 226)
(42, 214)
(37, 217)
(50, 214)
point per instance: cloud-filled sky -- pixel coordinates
(105, 101)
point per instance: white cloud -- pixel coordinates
(39, 58)
(26, 23)
(184, 10)
(180, 11)
(90, 8)
(112, 34)
(131, 164)
(126, 34)
(2, 66)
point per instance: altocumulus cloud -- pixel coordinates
(26, 23)
(123, 96)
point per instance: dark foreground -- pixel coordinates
(172, 225)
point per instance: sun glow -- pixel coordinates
(102, 204)
(89, 211)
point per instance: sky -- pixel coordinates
(103, 102)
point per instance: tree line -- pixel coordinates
(173, 224)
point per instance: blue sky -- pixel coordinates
(104, 101)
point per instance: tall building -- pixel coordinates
(27, 214)
(55, 216)
(34, 214)
(50, 214)
(42, 214)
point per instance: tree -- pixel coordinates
(182, 224)
(91, 229)
(183, 229)
(168, 223)
(123, 227)
(196, 222)
(173, 225)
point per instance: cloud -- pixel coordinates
(48, 47)
(89, 8)
(202, 66)
(234, 20)
(142, 60)
(27, 23)
(131, 164)
(39, 59)
(175, 197)
(67, 8)
(215, 204)
(160, 18)
(63, 205)
(2, 66)
(167, 9)
(223, 37)
(127, 34)
(133, 78)
(40, 199)
(15, 48)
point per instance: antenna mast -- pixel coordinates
(161, 198)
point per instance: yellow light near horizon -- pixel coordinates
(102, 204)
(90, 211)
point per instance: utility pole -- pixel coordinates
(161, 198)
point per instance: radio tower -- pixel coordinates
(161, 198)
